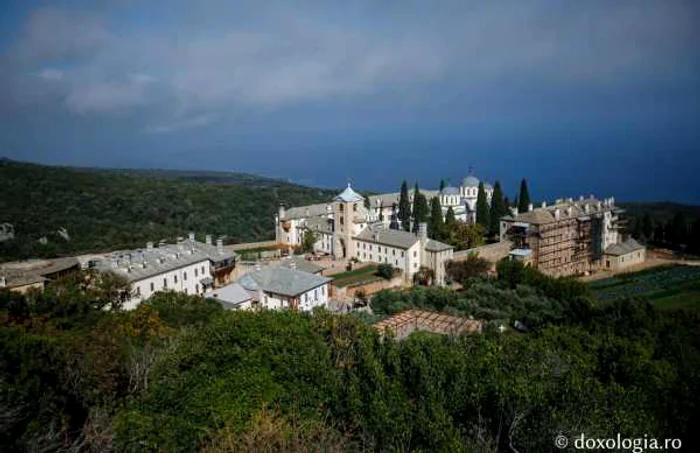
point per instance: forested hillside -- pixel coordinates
(111, 209)
(179, 374)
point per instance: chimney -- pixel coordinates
(281, 212)
(568, 211)
(3, 281)
(149, 245)
(586, 208)
(514, 210)
(191, 236)
(580, 198)
(529, 207)
(612, 201)
(220, 245)
(544, 204)
(422, 231)
(557, 214)
(570, 200)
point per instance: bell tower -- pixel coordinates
(346, 207)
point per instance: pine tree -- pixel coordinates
(404, 207)
(436, 224)
(482, 208)
(498, 210)
(524, 198)
(421, 211)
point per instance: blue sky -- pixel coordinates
(579, 97)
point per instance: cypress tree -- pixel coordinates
(524, 198)
(393, 220)
(442, 184)
(421, 211)
(436, 224)
(404, 207)
(498, 209)
(506, 203)
(482, 208)
(450, 221)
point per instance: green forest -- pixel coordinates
(105, 210)
(180, 374)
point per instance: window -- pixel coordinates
(397, 262)
(138, 290)
(415, 253)
(202, 270)
(153, 287)
(354, 207)
(195, 271)
(306, 297)
(184, 276)
(196, 288)
(323, 290)
(175, 278)
(401, 253)
(165, 283)
(315, 294)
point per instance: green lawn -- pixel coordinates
(366, 274)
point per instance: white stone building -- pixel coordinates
(345, 229)
(279, 287)
(187, 267)
(462, 200)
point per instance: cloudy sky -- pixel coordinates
(579, 97)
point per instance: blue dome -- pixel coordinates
(470, 181)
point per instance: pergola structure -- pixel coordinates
(405, 323)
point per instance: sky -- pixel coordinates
(585, 97)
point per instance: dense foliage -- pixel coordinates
(670, 225)
(107, 210)
(180, 374)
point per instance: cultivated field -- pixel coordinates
(668, 287)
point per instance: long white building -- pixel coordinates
(188, 267)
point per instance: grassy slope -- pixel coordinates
(108, 209)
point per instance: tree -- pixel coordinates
(421, 211)
(694, 242)
(424, 276)
(482, 208)
(498, 210)
(506, 203)
(385, 270)
(442, 184)
(307, 246)
(524, 197)
(394, 220)
(660, 233)
(450, 222)
(647, 228)
(678, 234)
(404, 207)
(436, 225)
(473, 266)
(465, 236)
